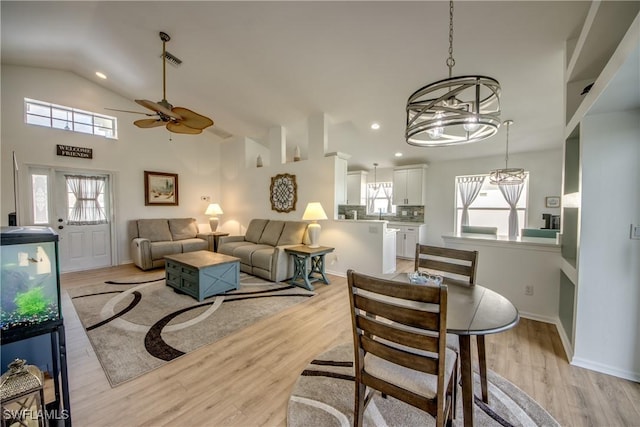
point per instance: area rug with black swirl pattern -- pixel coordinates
(139, 325)
(323, 396)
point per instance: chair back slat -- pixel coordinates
(390, 288)
(422, 363)
(455, 265)
(413, 317)
(397, 335)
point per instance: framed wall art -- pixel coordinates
(160, 189)
(283, 193)
(552, 202)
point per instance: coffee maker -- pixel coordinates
(551, 222)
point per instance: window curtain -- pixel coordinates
(512, 194)
(387, 188)
(374, 189)
(469, 188)
(87, 190)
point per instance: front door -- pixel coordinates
(77, 206)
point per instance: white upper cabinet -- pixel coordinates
(357, 188)
(408, 186)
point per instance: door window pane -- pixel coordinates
(40, 202)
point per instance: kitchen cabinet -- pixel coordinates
(406, 239)
(357, 188)
(408, 185)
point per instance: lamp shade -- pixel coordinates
(213, 209)
(314, 212)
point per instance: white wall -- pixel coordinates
(545, 169)
(608, 295)
(195, 158)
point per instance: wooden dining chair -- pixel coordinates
(400, 345)
(455, 266)
(452, 264)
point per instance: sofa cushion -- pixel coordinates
(293, 233)
(254, 230)
(271, 233)
(183, 228)
(190, 245)
(156, 230)
(262, 258)
(228, 248)
(245, 253)
(160, 249)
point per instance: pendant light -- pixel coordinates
(453, 111)
(507, 176)
(375, 176)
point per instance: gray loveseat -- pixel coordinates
(152, 239)
(261, 249)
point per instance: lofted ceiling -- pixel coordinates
(254, 65)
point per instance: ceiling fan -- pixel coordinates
(176, 119)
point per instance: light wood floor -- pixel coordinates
(245, 379)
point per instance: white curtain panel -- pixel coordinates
(469, 188)
(511, 194)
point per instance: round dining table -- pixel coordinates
(473, 310)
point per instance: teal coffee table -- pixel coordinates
(202, 274)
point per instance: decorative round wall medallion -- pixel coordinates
(283, 192)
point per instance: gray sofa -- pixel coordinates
(261, 249)
(152, 239)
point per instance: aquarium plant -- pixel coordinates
(31, 303)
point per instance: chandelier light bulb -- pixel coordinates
(471, 125)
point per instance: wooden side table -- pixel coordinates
(213, 243)
(305, 272)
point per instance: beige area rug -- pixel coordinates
(324, 396)
(141, 324)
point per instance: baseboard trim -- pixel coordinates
(564, 338)
(606, 369)
(537, 317)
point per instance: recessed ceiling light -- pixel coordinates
(398, 154)
(101, 75)
(375, 126)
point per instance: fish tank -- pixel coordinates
(29, 282)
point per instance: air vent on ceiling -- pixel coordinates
(172, 59)
(220, 132)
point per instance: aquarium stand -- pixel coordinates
(59, 362)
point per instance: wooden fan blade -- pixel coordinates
(148, 123)
(192, 119)
(178, 127)
(154, 106)
(129, 111)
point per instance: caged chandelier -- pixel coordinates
(507, 176)
(453, 111)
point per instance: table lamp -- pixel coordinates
(314, 212)
(213, 210)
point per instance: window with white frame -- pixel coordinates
(489, 207)
(55, 116)
(85, 199)
(379, 198)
